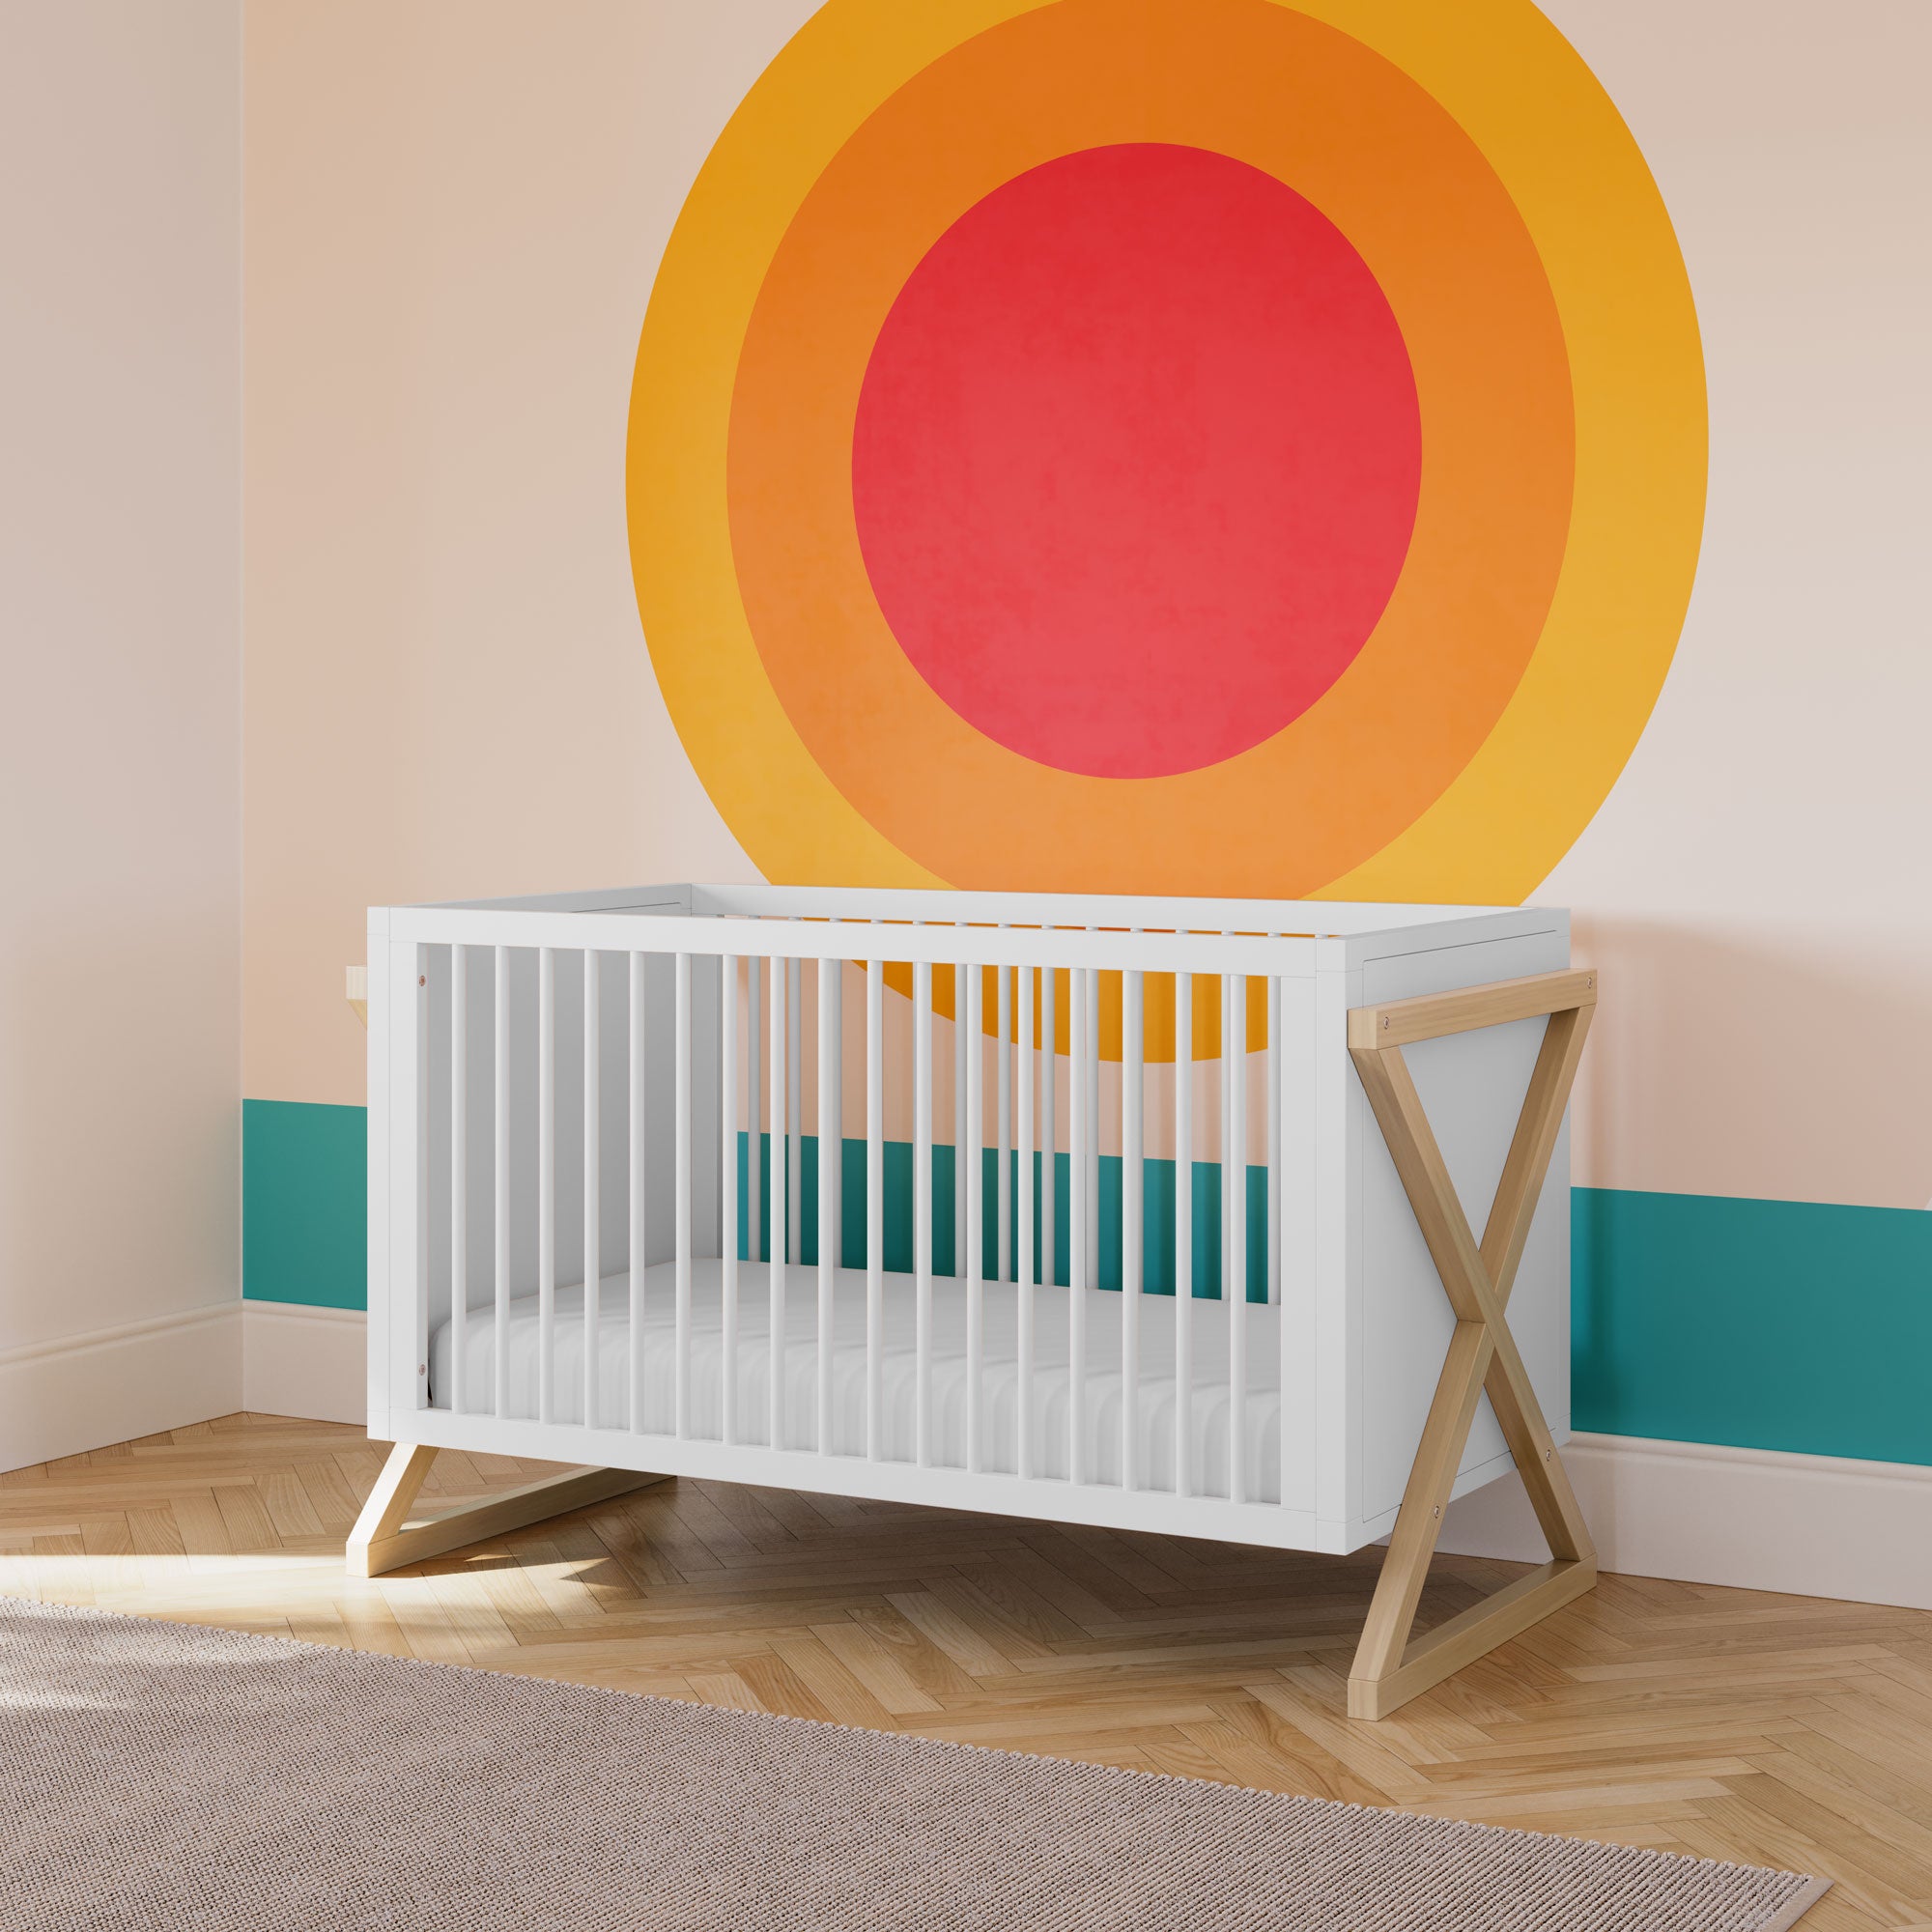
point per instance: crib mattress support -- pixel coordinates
(1390, 1667)
(386, 1537)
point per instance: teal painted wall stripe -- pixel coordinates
(1760, 1324)
(1156, 1218)
(305, 1204)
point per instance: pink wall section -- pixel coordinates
(453, 221)
(1759, 884)
(452, 218)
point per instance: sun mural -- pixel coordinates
(1168, 445)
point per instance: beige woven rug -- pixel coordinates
(157, 1776)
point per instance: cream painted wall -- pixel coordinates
(454, 217)
(1759, 885)
(120, 579)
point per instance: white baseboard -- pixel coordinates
(85, 1391)
(307, 1362)
(1757, 1519)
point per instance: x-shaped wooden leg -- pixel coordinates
(1389, 1670)
(385, 1536)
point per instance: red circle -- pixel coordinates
(1136, 460)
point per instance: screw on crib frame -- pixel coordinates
(387, 1536)
(1391, 1668)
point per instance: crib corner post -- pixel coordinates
(1390, 1666)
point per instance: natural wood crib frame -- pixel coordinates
(1391, 1666)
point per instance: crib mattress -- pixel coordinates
(1001, 1394)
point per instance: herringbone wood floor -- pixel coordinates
(1780, 1730)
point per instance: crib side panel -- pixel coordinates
(482, 1135)
(1472, 1086)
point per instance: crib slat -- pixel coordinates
(681, 1100)
(1133, 1178)
(727, 1248)
(500, 1396)
(1271, 1108)
(1003, 1179)
(546, 1180)
(1093, 1205)
(637, 1200)
(875, 1194)
(754, 1113)
(1049, 1126)
(1276, 1061)
(831, 1157)
(1272, 1112)
(593, 1256)
(962, 1246)
(779, 1222)
(1025, 1057)
(1183, 1233)
(1234, 1192)
(459, 1173)
(795, 1109)
(973, 1159)
(921, 1210)
(1079, 1127)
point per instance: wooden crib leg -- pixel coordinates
(385, 1537)
(1390, 1668)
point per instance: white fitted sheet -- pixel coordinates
(898, 1371)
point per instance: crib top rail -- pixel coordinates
(1287, 937)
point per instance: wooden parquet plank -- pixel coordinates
(709, 1529)
(245, 1514)
(1003, 1621)
(946, 1630)
(1103, 1591)
(1125, 1555)
(1726, 1724)
(1027, 1730)
(516, 1598)
(1181, 1756)
(424, 1623)
(779, 1687)
(788, 1508)
(922, 1661)
(285, 1496)
(1798, 1811)
(1856, 1795)
(1727, 1828)
(845, 1700)
(726, 1688)
(746, 1509)
(877, 1664)
(1118, 1655)
(1307, 1703)
(1014, 1604)
(1261, 1749)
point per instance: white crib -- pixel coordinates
(668, 1181)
